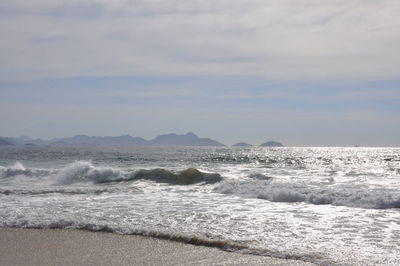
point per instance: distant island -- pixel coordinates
(242, 144)
(271, 144)
(189, 139)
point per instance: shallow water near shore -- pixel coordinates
(41, 247)
(322, 205)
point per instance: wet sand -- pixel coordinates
(73, 247)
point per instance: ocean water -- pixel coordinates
(330, 206)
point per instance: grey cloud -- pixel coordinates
(282, 39)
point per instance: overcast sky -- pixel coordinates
(303, 72)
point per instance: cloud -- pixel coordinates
(283, 39)
(303, 70)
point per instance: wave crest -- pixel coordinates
(84, 172)
(340, 195)
(186, 177)
(18, 169)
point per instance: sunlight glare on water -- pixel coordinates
(324, 205)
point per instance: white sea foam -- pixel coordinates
(18, 169)
(339, 195)
(82, 171)
(86, 172)
(326, 205)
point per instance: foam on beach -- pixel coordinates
(339, 195)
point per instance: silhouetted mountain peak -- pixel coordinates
(191, 135)
(189, 139)
(271, 144)
(242, 144)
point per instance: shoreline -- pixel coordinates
(23, 246)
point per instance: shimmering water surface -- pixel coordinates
(323, 205)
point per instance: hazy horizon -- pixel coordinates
(304, 73)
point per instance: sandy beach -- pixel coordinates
(73, 247)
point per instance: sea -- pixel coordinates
(329, 206)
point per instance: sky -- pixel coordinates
(302, 72)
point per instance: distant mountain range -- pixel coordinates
(24, 140)
(189, 139)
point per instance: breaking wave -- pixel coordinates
(339, 195)
(18, 169)
(83, 172)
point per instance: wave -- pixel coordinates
(18, 169)
(260, 176)
(338, 195)
(84, 172)
(69, 224)
(70, 191)
(186, 177)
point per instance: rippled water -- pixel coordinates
(324, 205)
